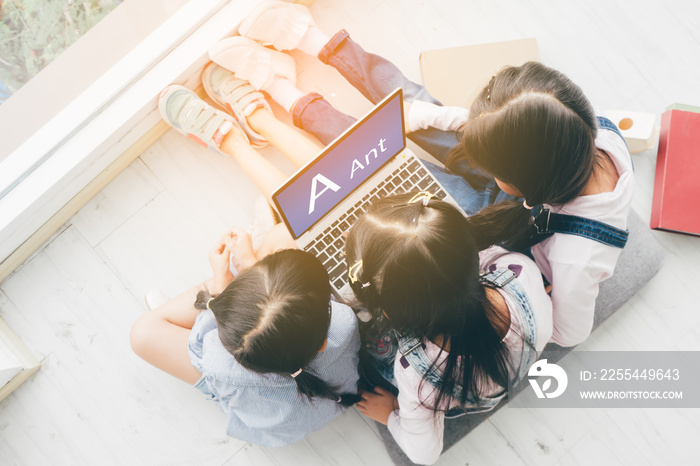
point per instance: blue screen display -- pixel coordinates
(343, 166)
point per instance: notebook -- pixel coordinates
(676, 201)
(474, 65)
(368, 161)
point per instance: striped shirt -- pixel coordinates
(266, 409)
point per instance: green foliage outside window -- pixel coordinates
(34, 32)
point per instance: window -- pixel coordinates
(76, 116)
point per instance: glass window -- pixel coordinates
(34, 32)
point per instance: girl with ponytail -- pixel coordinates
(270, 347)
(467, 322)
(535, 132)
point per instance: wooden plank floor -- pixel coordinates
(72, 303)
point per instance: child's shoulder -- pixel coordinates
(343, 332)
(342, 316)
(496, 257)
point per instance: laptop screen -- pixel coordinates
(342, 166)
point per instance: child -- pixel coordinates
(270, 347)
(530, 134)
(415, 263)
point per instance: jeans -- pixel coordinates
(376, 77)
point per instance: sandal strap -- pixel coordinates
(241, 96)
(202, 120)
(243, 102)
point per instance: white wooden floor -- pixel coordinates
(95, 403)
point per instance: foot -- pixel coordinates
(188, 114)
(237, 96)
(252, 62)
(279, 24)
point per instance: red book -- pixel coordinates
(676, 202)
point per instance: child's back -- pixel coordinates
(267, 409)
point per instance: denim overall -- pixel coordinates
(412, 350)
(546, 223)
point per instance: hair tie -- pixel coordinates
(294, 375)
(423, 196)
(526, 206)
(354, 271)
(209, 301)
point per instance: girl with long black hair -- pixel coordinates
(468, 322)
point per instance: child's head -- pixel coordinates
(532, 128)
(413, 259)
(274, 317)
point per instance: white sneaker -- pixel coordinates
(277, 23)
(155, 298)
(188, 114)
(237, 96)
(252, 62)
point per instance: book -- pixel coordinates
(455, 75)
(676, 201)
(639, 129)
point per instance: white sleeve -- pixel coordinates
(417, 429)
(424, 115)
(574, 291)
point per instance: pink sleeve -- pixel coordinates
(417, 429)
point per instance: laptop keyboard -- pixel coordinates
(329, 246)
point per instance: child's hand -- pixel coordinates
(378, 405)
(241, 246)
(219, 260)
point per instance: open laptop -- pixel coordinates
(368, 161)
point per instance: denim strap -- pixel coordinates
(546, 223)
(411, 348)
(607, 124)
(507, 280)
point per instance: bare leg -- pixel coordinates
(297, 146)
(160, 336)
(265, 175)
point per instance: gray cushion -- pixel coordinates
(639, 261)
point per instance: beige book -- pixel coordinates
(455, 75)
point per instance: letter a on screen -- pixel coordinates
(328, 185)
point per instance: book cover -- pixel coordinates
(676, 200)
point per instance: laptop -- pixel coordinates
(368, 161)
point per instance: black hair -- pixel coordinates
(420, 266)
(274, 318)
(533, 128)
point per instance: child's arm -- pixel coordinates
(219, 260)
(424, 115)
(417, 429)
(574, 292)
